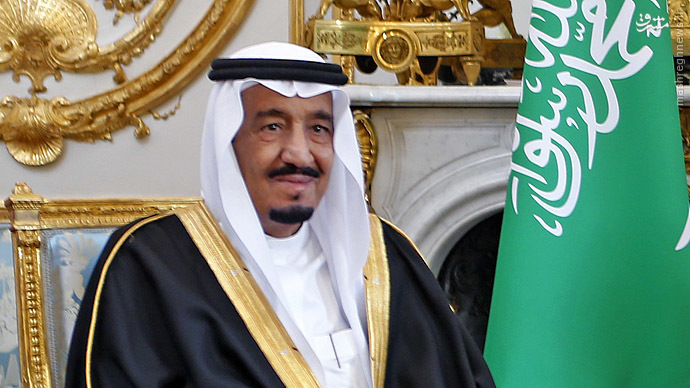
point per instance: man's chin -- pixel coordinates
(295, 214)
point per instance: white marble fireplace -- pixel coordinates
(443, 158)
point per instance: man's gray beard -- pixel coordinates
(291, 215)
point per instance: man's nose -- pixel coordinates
(296, 149)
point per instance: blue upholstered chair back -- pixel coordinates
(68, 258)
(9, 341)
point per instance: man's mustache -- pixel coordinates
(292, 169)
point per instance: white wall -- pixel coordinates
(166, 162)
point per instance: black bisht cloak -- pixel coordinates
(164, 321)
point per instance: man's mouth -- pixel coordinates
(294, 180)
(294, 170)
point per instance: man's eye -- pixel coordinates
(321, 129)
(272, 127)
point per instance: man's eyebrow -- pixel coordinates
(322, 115)
(273, 112)
(270, 113)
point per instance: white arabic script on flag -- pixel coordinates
(552, 143)
(651, 25)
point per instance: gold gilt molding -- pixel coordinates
(368, 146)
(397, 46)
(413, 38)
(30, 323)
(41, 38)
(125, 6)
(4, 214)
(679, 17)
(29, 215)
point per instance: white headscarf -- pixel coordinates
(340, 221)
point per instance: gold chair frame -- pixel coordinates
(28, 215)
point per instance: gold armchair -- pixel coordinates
(54, 246)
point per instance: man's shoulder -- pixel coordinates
(167, 224)
(164, 224)
(400, 249)
(392, 234)
(158, 244)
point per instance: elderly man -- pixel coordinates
(282, 278)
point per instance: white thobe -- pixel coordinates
(312, 303)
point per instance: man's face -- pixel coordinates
(285, 151)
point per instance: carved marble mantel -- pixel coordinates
(443, 158)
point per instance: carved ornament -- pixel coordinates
(414, 38)
(396, 46)
(42, 38)
(679, 21)
(368, 147)
(4, 214)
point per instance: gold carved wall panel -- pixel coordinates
(47, 38)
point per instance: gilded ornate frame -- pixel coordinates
(61, 37)
(29, 214)
(4, 214)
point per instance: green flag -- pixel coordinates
(592, 287)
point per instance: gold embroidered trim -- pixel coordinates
(378, 292)
(101, 280)
(245, 294)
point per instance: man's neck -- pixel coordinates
(299, 234)
(278, 230)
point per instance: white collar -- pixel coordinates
(291, 245)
